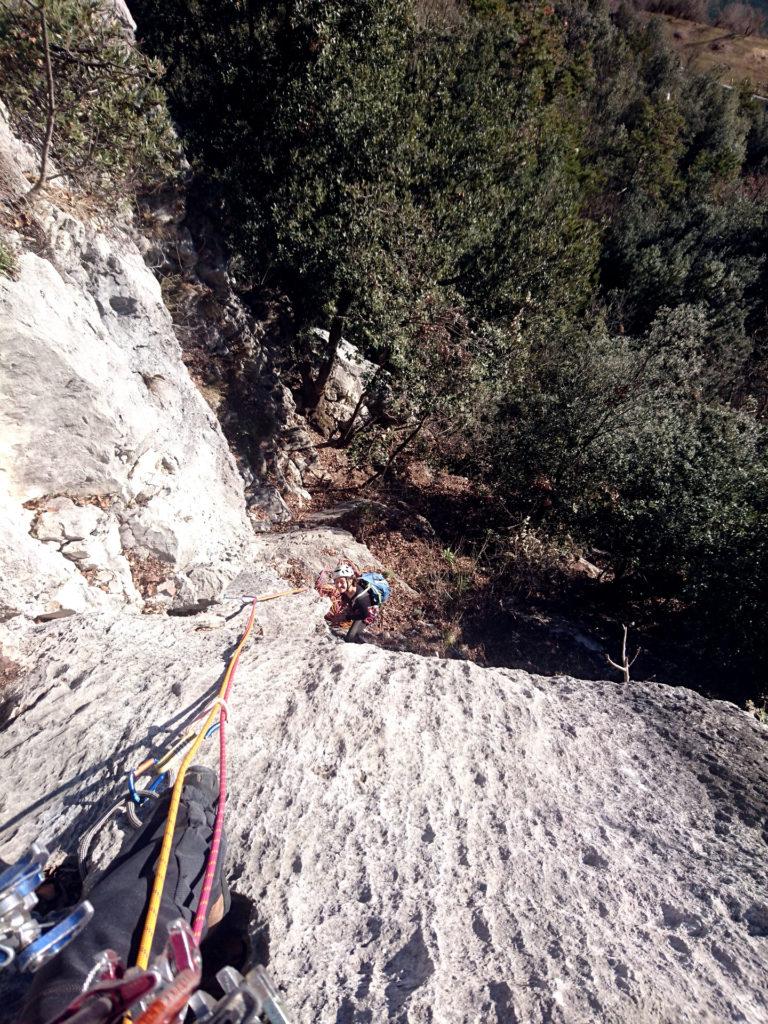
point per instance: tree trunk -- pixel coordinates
(51, 104)
(347, 431)
(316, 388)
(399, 450)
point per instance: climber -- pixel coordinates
(119, 897)
(356, 597)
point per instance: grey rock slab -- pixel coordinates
(429, 841)
(311, 551)
(95, 401)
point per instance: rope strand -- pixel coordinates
(218, 828)
(150, 924)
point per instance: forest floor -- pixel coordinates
(731, 58)
(511, 601)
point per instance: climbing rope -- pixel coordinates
(161, 870)
(218, 828)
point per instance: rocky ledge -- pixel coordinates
(428, 840)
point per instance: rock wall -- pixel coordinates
(234, 361)
(109, 450)
(428, 841)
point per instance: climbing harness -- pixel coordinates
(23, 938)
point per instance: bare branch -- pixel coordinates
(62, 53)
(626, 664)
(400, 448)
(347, 431)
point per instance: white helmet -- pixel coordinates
(344, 572)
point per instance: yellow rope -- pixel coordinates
(279, 593)
(150, 924)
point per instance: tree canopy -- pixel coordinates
(549, 234)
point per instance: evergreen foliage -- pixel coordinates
(110, 127)
(551, 236)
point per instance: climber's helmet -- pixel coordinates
(344, 572)
(344, 578)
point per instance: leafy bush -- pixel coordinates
(110, 129)
(610, 438)
(7, 260)
(551, 237)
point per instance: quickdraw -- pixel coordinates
(24, 938)
(138, 794)
(245, 998)
(139, 797)
(158, 994)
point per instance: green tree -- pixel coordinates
(300, 120)
(84, 96)
(501, 167)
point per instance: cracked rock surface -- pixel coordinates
(429, 841)
(98, 409)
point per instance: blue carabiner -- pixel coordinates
(157, 783)
(153, 787)
(135, 798)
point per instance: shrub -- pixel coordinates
(7, 260)
(743, 19)
(79, 91)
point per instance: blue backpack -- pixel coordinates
(379, 587)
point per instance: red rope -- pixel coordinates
(201, 913)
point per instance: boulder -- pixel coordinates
(350, 375)
(124, 15)
(199, 588)
(63, 520)
(35, 578)
(70, 598)
(266, 506)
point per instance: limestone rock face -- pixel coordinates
(98, 411)
(429, 841)
(35, 579)
(351, 372)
